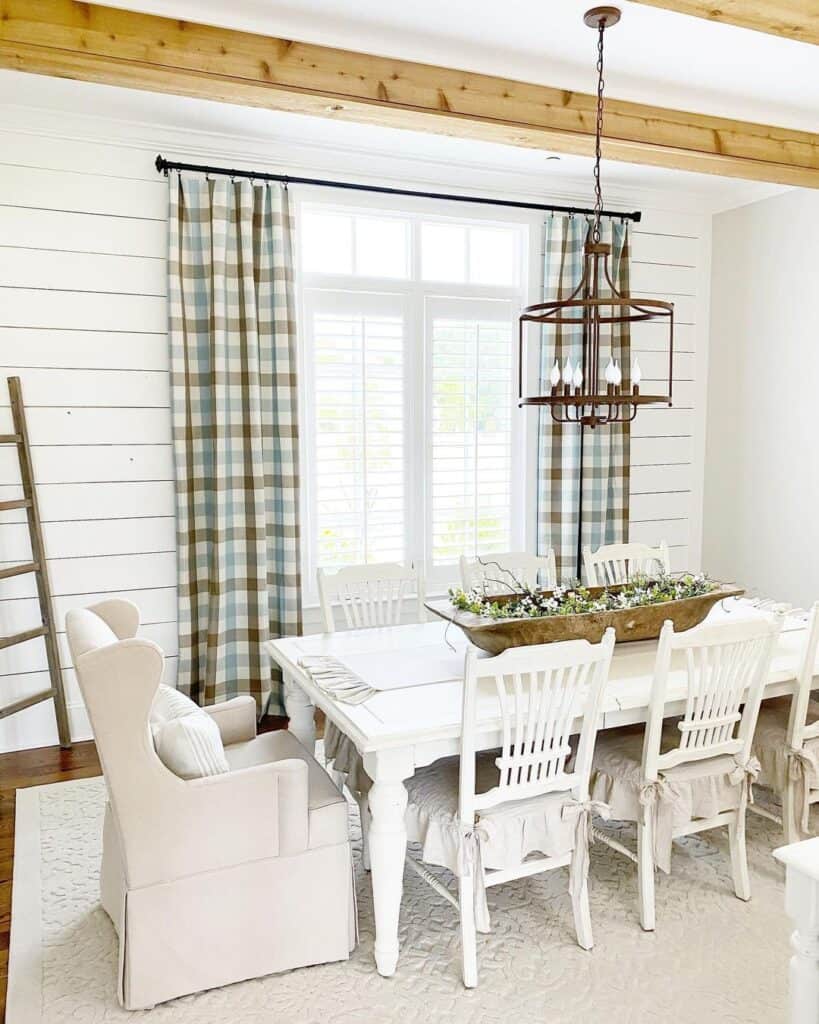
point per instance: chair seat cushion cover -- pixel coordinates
(343, 753)
(771, 743)
(697, 789)
(326, 807)
(779, 764)
(510, 832)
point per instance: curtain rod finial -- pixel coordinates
(161, 164)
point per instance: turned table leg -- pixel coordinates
(802, 906)
(388, 844)
(301, 713)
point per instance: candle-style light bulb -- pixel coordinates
(618, 375)
(568, 371)
(609, 374)
(578, 377)
(636, 373)
(554, 376)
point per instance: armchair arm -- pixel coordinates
(294, 789)
(235, 719)
(216, 822)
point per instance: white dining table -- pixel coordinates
(415, 718)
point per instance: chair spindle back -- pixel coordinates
(725, 669)
(541, 692)
(495, 573)
(370, 595)
(618, 563)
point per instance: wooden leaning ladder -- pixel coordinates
(39, 568)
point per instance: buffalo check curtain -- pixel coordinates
(583, 474)
(235, 434)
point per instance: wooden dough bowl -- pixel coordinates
(642, 623)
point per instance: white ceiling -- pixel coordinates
(653, 56)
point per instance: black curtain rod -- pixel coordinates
(163, 166)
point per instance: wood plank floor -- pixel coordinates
(39, 767)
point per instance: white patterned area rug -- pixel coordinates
(712, 958)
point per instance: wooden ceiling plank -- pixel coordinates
(793, 19)
(95, 43)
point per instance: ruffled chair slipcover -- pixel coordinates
(552, 825)
(698, 789)
(340, 750)
(780, 764)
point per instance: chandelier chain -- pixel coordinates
(598, 192)
(600, 309)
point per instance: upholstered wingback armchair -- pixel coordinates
(209, 880)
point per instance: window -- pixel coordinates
(412, 436)
(358, 461)
(470, 354)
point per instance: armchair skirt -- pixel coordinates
(230, 925)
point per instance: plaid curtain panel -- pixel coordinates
(583, 474)
(235, 434)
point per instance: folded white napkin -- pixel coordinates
(336, 679)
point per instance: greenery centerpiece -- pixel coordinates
(575, 599)
(635, 609)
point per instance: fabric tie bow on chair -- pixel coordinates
(582, 811)
(747, 772)
(802, 764)
(659, 799)
(470, 862)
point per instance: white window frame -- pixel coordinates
(414, 293)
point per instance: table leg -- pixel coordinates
(301, 713)
(802, 906)
(388, 845)
(801, 902)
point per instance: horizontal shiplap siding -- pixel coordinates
(670, 256)
(83, 323)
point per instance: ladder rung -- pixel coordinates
(20, 638)
(27, 702)
(56, 692)
(19, 570)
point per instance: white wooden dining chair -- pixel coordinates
(368, 596)
(482, 817)
(786, 743)
(371, 595)
(496, 572)
(617, 563)
(679, 777)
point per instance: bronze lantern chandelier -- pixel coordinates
(588, 392)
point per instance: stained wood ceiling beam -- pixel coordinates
(89, 42)
(794, 19)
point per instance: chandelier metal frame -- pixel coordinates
(577, 397)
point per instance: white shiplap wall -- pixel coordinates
(671, 259)
(83, 321)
